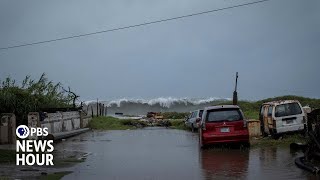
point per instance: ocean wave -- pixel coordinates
(166, 102)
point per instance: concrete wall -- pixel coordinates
(60, 121)
(85, 120)
(7, 128)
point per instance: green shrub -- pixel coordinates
(31, 96)
(178, 124)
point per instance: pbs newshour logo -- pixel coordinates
(36, 151)
(22, 131)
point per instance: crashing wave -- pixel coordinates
(165, 102)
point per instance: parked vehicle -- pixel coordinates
(223, 124)
(279, 117)
(194, 119)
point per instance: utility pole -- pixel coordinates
(235, 93)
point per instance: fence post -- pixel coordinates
(97, 107)
(103, 110)
(92, 111)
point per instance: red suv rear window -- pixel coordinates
(218, 115)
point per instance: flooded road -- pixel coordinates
(158, 153)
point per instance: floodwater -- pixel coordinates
(159, 153)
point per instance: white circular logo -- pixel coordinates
(22, 131)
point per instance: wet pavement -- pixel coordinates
(159, 153)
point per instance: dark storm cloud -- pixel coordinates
(274, 46)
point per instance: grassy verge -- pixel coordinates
(7, 156)
(285, 141)
(111, 123)
(178, 124)
(55, 176)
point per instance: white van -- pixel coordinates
(282, 116)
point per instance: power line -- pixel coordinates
(131, 26)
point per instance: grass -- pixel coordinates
(112, 123)
(178, 124)
(108, 123)
(285, 141)
(7, 156)
(55, 176)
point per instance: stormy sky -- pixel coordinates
(274, 45)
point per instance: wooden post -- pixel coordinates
(103, 110)
(92, 111)
(97, 107)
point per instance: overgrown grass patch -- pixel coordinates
(178, 124)
(112, 123)
(283, 141)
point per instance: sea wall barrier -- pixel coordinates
(67, 123)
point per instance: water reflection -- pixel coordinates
(220, 163)
(274, 163)
(174, 154)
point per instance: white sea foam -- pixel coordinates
(162, 101)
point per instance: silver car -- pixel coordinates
(194, 119)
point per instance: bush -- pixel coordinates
(31, 96)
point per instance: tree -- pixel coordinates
(31, 96)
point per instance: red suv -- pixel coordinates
(223, 124)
